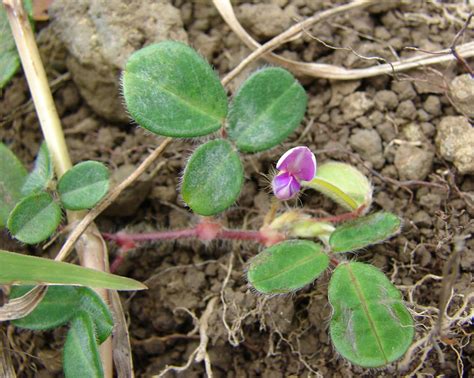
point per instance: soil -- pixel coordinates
(386, 126)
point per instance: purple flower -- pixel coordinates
(296, 165)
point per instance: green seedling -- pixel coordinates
(29, 207)
(90, 324)
(370, 325)
(171, 91)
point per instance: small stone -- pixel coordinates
(431, 201)
(404, 89)
(355, 105)
(455, 141)
(406, 109)
(266, 20)
(367, 143)
(433, 105)
(462, 94)
(386, 131)
(413, 132)
(386, 100)
(413, 163)
(422, 219)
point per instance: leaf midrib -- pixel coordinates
(363, 302)
(34, 219)
(284, 271)
(249, 128)
(180, 99)
(198, 192)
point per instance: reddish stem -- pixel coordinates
(334, 261)
(342, 217)
(241, 235)
(122, 237)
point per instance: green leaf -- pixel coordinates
(81, 351)
(93, 304)
(59, 305)
(213, 178)
(343, 183)
(364, 231)
(34, 218)
(267, 108)
(370, 325)
(42, 173)
(171, 90)
(84, 185)
(19, 269)
(9, 59)
(287, 266)
(12, 177)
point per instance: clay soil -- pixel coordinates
(386, 126)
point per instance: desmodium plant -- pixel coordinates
(31, 209)
(171, 91)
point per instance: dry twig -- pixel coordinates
(320, 70)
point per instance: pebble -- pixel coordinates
(368, 145)
(406, 109)
(432, 105)
(356, 105)
(386, 131)
(404, 89)
(413, 163)
(386, 100)
(462, 94)
(455, 141)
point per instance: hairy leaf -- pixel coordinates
(267, 108)
(342, 183)
(213, 178)
(19, 269)
(93, 304)
(81, 350)
(57, 307)
(34, 218)
(42, 173)
(364, 231)
(171, 90)
(370, 325)
(84, 185)
(9, 59)
(12, 177)
(287, 266)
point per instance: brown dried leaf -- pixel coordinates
(20, 307)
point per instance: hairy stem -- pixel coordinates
(187, 233)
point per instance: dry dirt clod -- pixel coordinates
(356, 105)
(101, 35)
(368, 144)
(455, 141)
(462, 94)
(266, 20)
(386, 99)
(413, 163)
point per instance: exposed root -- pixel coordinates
(453, 332)
(200, 353)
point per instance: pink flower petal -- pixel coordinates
(285, 186)
(300, 162)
